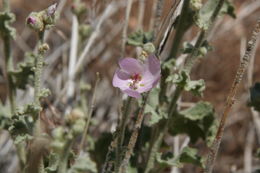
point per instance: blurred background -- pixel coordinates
(218, 68)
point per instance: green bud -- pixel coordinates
(85, 30)
(149, 48)
(58, 133)
(35, 22)
(79, 8)
(195, 4)
(78, 127)
(43, 48)
(76, 114)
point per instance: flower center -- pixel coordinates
(134, 80)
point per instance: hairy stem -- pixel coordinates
(38, 72)
(133, 138)
(231, 99)
(125, 117)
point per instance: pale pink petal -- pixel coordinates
(132, 93)
(120, 79)
(151, 75)
(153, 65)
(131, 65)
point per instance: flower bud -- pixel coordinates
(52, 9)
(35, 22)
(49, 17)
(79, 8)
(43, 48)
(149, 48)
(85, 30)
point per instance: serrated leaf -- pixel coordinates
(182, 79)
(203, 50)
(83, 164)
(197, 122)
(190, 155)
(167, 161)
(22, 138)
(24, 73)
(187, 155)
(255, 96)
(205, 13)
(6, 18)
(228, 8)
(139, 38)
(53, 163)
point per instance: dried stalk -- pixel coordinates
(231, 99)
(124, 33)
(93, 102)
(73, 57)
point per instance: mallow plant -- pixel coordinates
(150, 86)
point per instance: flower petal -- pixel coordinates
(151, 75)
(153, 65)
(132, 93)
(120, 79)
(131, 65)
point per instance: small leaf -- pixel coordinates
(152, 111)
(203, 50)
(24, 73)
(53, 163)
(205, 13)
(228, 8)
(255, 96)
(190, 155)
(168, 160)
(83, 164)
(139, 38)
(182, 79)
(187, 155)
(6, 18)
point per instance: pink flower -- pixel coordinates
(134, 77)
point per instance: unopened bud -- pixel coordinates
(149, 48)
(49, 16)
(34, 21)
(85, 30)
(79, 8)
(52, 9)
(43, 48)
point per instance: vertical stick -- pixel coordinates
(124, 33)
(231, 99)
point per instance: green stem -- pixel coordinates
(180, 31)
(38, 72)
(64, 157)
(9, 62)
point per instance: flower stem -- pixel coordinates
(231, 99)
(64, 157)
(122, 125)
(133, 138)
(38, 72)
